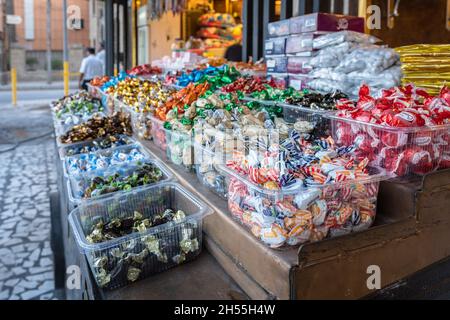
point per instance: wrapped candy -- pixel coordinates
(144, 174)
(97, 127)
(99, 81)
(336, 193)
(248, 85)
(141, 96)
(390, 137)
(96, 145)
(145, 70)
(103, 160)
(138, 256)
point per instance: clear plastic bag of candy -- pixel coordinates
(335, 38)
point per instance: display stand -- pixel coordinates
(412, 231)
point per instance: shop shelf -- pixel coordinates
(151, 251)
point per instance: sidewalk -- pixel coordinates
(40, 85)
(26, 180)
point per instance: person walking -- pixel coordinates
(91, 67)
(101, 55)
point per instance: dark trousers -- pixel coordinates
(84, 84)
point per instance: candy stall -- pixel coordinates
(294, 188)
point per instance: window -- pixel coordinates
(29, 19)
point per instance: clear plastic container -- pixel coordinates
(142, 125)
(400, 151)
(295, 113)
(158, 133)
(205, 167)
(278, 28)
(76, 186)
(62, 128)
(80, 164)
(282, 218)
(114, 262)
(180, 150)
(94, 91)
(92, 145)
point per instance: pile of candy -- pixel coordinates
(276, 94)
(99, 81)
(144, 174)
(145, 70)
(318, 101)
(97, 127)
(386, 129)
(248, 85)
(145, 254)
(117, 228)
(258, 68)
(80, 104)
(96, 145)
(181, 98)
(302, 191)
(101, 161)
(141, 95)
(114, 80)
(216, 77)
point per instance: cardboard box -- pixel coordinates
(299, 65)
(280, 79)
(325, 22)
(278, 28)
(275, 46)
(298, 81)
(300, 43)
(276, 64)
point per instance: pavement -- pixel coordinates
(27, 177)
(39, 85)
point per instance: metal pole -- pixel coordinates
(49, 42)
(66, 49)
(14, 86)
(109, 37)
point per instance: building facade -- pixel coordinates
(31, 33)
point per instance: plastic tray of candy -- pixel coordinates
(94, 91)
(77, 185)
(141, 124)
(108, 101)
(62, 128)
(126, 259)
(100, 161)
(205, 167)
(94, 145)
(180, 150)
(292, 217)
(398, 150)
(158, 133)
(293, 113)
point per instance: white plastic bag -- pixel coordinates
(336, 38)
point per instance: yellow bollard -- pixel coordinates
(14, 86)
(115, 72)
(66, 78)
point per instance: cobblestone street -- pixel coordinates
(26, 179)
